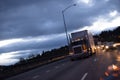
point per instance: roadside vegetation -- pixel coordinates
(34, 61)
(50, 56)
(109, 36)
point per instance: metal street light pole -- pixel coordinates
(68, 41)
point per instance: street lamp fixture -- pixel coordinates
(67, 37)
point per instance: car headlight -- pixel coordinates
(114, 45)
(98, 47)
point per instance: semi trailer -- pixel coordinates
(81, 44)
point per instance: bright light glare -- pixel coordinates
(106, 0)
(7, 58)
(106, 47)
(9, 55)
(118, 59)
(117, 44)
(71, 53)
(102, 24)
(98, 47)
(10, 41)
(114, 45)
(8, 61)
(113, 13)
(85, 1)
(114, 67)
(12, 57)
(28, 39)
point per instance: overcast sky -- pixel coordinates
(31, 26)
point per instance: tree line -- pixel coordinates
(33, 62)
(49, 56)
(110, 35)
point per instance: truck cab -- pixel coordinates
(82, 44)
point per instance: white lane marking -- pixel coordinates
(56, 67)
(84, 76)
(34, 77)
(95, 59)
(48, 71)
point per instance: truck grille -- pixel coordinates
(77, 50)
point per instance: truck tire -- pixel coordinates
(72, 59)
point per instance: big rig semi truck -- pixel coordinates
(82, 44)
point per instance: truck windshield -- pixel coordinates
(78, 42)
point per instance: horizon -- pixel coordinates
(30, 27)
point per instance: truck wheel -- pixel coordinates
(72, 59)
(91, 54)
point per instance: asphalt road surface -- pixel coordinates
(96, 67)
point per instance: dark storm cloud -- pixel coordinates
(33, 19)
(34, 45)
(28, 19)
(85, 16)
(25, 18)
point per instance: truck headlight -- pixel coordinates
(106, 47)
(71, 53)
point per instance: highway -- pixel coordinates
(93, 68)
